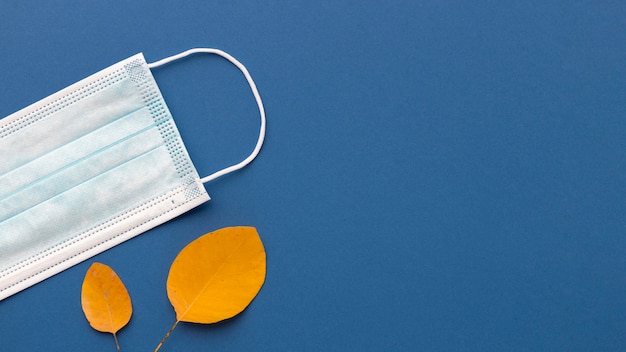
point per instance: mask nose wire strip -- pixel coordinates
(255, 92)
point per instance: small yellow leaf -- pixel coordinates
(105, 300)
(216, 276)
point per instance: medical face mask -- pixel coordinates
(91, 166)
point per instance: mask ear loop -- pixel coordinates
(255, 92)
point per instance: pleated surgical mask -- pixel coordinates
(91, 166)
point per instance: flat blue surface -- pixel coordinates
(437, 175)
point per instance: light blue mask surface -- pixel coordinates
(88, 168)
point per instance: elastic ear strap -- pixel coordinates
(255, 92)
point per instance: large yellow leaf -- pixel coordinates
(105, 300)
(216, 276)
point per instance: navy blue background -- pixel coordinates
(437, 175)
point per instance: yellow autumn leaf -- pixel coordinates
(216, 276)
(105, 300)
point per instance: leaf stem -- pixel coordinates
(117, 343)
(166, 336)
